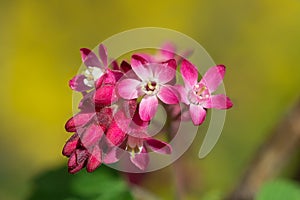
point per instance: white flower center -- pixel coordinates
(199, 94)
(150, 87)
(92, 74)
(134, 145)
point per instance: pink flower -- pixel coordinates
(95, 69)
(151, 85)
(198, 95)
(104, 93)
(139, 148)
(128, 127)
(166, 52)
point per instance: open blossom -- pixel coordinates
(138, 148)
(151, 85)
(136, 141)
(166, 52)
(95, 69)
(198, 95)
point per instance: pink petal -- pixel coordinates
(141, 160)
(158, 146)
(115, 65)
(213, 77)
(183, 93)
(117, 74)
(147, 58)
(77, 121)
(76, 168)
(109, 78)
(164, 72)
(129, 108)
(128, 88)
(95, 159)
(89, 58)
(168, 95)
(184, 55)
(189, 73)
(105, 95)
(77, 84)
(122, 120)
(115, 134)
(87, 104)
(138, 126)
(77, 160)
(139, 58)
(141, 67)
(70, 145)
(113, 155)
(103, 54)
(92, 135)
(125, 66)
(219, 101)
(198, 114)
(171, 63)
(72, 163)
(104, 117)
(148, 107)
(81, 155)
(168, 50)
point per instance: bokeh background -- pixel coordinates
(258, 41)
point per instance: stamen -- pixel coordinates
(134, 150)
(151, 85)
(150, 88)
(199, 94)
(202, 89)
(92, 74)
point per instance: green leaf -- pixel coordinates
(105, 184)
(279, 190)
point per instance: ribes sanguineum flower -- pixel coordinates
(199, 95)
(138, 147)
(152, 83)
(166, 52)
(96, 67)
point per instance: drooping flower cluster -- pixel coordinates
(119, 102)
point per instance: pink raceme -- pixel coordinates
(119, 101)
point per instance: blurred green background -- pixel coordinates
(258, 41)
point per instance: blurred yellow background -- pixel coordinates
(258, 41)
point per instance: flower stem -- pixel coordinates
(171, 127)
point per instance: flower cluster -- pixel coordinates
(120, 100)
